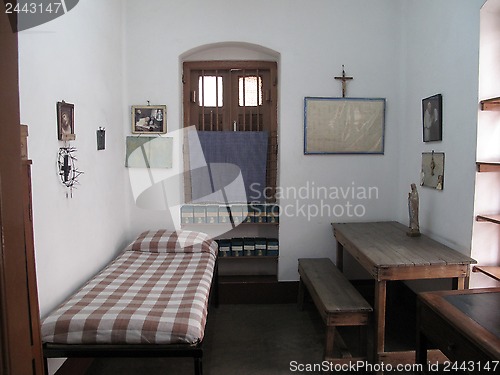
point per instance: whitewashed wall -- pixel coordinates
(76, 58)
(401, 50)
(441, 56)
(311, 41)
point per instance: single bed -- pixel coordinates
(151, 301)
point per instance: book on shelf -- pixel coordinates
(200, 214)
(237, 247)
(224, 247)
(273, 247)
(248, 246)
(212, 213)
(237, 213)
(224, 216)
(187, 214)
(250, 214)
(272, 213)
(260, 246)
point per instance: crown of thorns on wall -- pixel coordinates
(68, 172)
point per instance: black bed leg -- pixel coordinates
(198, 366)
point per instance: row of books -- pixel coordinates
(234, 213)
(248, 246)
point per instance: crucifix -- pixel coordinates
(344, 80)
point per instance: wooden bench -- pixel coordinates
(338, 302)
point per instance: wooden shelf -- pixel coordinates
(215, 224)
(488, 167)
(489, 218)
(244, 279)
(492, 104)
(260, 257)
(491, 271)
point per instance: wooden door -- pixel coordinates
(17, 343)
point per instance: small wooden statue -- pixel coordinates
(413, 228)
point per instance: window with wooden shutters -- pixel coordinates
(234, 96)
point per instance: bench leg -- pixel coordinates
(300, 298)
(329, 341)
(363, 349)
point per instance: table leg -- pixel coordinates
(380, 306)
(340, 256)
(459, 283)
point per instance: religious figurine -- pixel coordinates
(413, 228)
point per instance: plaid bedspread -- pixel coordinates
(150, 294)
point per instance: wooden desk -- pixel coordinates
(465, 326)
(387, 253)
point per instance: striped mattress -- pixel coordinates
(155, 292)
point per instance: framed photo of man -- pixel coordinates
(432, 118)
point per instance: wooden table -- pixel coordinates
(387, 253)
(465, 326)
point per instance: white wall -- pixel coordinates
(403, 51)
(312, 45)
(76, 58)
(486, 236)
(440, 56)
(400, 50)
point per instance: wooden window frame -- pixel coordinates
(270, 95)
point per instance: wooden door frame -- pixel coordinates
(15, 335)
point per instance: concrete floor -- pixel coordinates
(240, 340)
(247, 340)
(268, 339)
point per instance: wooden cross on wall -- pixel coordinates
(344, 80)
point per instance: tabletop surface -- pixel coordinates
(474, 312)
(385, 244)
(483, 308)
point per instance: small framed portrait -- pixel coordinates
(149, 119)
(65, 121)
(432, 118)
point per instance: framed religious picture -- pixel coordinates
(432, 118)
(432, 172)
(65, 121)
(344, 125)
(149, 119)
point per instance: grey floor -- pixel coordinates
(242, 340)
(248, 340)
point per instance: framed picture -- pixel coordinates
(432, 118)
(344, 125)
(432, 173)
(65, 121)
(149, 119)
